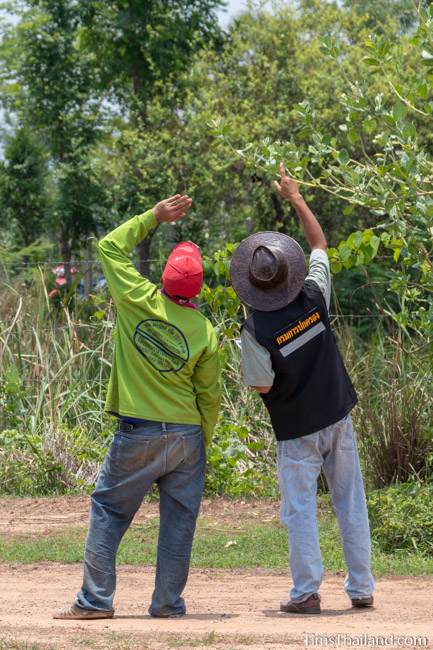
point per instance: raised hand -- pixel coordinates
(173, 208)
(287, 186)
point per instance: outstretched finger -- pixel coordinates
(184, 205)
(282, 169)
(174, 198)
(183, 200)
(277, 186)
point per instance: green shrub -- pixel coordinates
(26, 468)
(240, 464)
(401, 517)
(54, 463)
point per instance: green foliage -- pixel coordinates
(25, 467)
(51, 84)
(125, 107)
(35, 252)
(141, 46)
(48, 79)
(379, 13)
(380, 161)
(241, 462)
(51, 462)
(23, 200)
(394, 416)
(402, 518)
(359, 248)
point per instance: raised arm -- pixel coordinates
(115, 248)
(288, 188)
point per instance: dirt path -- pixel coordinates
(228, 610)
(43, 515)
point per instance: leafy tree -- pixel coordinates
(379, 13)
(267, 67)
(142, 49)
(393, 181)
(23, 199)
(51, 84)
(142, 46)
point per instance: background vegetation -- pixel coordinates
(110, 106)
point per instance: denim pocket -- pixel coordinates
(128, 453)
(192, 444)
(344, 431)
(299, 449)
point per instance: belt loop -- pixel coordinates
(164, 426)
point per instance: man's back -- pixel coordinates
(161, 358)
(165, 365)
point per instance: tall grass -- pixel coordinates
(55, 366)
(394, 416)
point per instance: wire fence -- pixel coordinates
(59, 263)
(91, 281)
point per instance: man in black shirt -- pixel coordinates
(289, 355)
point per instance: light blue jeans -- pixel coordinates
(299, 464)
(173, 457)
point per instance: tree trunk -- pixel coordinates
(88, 275)
(140, 107)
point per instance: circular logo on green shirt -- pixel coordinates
(162, 344)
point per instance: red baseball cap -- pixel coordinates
(183, 272)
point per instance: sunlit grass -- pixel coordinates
(217, 546)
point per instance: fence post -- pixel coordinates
(88, 274)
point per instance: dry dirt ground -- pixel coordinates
(39, 516)
(227, 610)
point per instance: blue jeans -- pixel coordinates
(299, 464)
(173, 457)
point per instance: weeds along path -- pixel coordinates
(227, 610)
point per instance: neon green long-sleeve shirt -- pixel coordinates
(166, 363)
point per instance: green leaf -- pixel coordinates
(369, 60)
(374, 245)
(352, 136)
(360, 259)
(355, 240)
(422, 89)
(13, 380)
(369, 125)
(366, 236)
(409, 131)
(336, 267)
(345, 251)
(399, 111)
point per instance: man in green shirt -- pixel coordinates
(165, 389)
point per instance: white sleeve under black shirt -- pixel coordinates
(256, 361)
